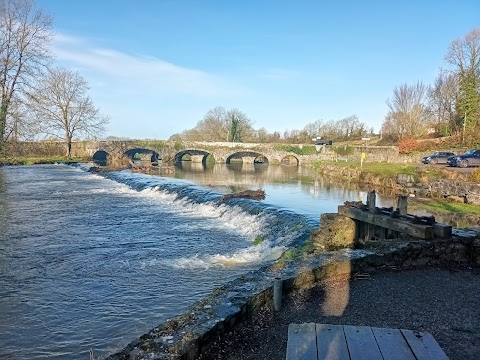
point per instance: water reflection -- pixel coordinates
(284, 183)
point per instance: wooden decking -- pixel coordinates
(312, 341)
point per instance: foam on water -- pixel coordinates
(247, 219)
(253, 254)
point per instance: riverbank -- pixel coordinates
(442, 301)
(414, 180)
(39, 160)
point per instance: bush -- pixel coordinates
(305, 150)
(407, 145)
(475, 176)
(344, 150)
(179, 145)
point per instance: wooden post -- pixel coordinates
(371, 201)
(277, 293)
(370, 231)
(402, 202)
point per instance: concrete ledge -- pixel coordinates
(184, 336)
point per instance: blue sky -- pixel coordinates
(155, 67)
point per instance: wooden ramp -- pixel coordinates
(312, 341)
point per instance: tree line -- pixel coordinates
(220, 124)
(39, 99)
(450, 106)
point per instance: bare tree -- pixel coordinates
(442, 103)
(219, 124)
(214, 126)
(61, 102)
(25, 35)
(409, 113)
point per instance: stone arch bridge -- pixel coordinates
(198, 152)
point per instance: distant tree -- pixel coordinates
(263, 136)
(62, 104)
(214, 125)
(442, 98)
(25, 36)
(219, 124)
(349, 127)
(409, 115)
(239, 125)
(464, 57)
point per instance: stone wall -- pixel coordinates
(417, 184)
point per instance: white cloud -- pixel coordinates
(139, 71)
(144, 96)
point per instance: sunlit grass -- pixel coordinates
(375, 168)
(445, 207)
(39, 160)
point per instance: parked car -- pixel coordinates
(468, 158)
(329, 142)
(439, 157)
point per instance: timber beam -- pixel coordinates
(422, 231)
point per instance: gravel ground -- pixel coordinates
(445, 302)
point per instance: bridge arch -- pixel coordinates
(154, 156)
(289, 160)
(248, 157)
(100, 157)
(195, 156)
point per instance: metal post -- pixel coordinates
(277, 294)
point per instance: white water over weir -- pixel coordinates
(89, 262)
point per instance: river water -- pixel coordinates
(89, 262)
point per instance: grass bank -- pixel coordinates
(444, 207)
(39, 160)
(386, 169)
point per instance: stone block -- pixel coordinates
(335, 232)
(442, 230)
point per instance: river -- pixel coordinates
(89, 262)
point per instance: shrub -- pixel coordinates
(407, 145)
(305, 150)
(475, 176)
(179, 145)
(344, 150)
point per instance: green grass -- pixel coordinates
(445, 207)
(153, 144)
(39, 160)
(375, 168)
(305, 150)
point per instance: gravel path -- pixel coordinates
(445, 302)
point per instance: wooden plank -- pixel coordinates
(419, 230)
(361, 343)
(302, 342)
(331, 342)
(423, 345)
(392, 344)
